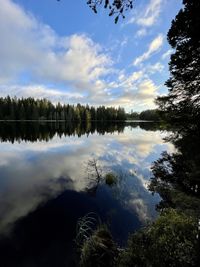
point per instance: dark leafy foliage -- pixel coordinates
(170, 241)
(116, 7)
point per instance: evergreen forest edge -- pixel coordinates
(42, 109)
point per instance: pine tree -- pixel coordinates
(183, 99)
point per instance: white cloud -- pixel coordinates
(167, 54)
(39, 92)
(154, 47)
(139, 95)
(147, 16)
(129, 81)
(153, 68)
(29, 46)
(150, 14)
(142, 32)
(135, 90)
(147, 88)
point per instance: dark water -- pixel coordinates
(46, 186)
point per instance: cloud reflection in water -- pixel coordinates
(33, 173)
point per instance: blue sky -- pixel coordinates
(65, 52)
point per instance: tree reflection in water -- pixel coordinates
(176, 175)
(38, 131)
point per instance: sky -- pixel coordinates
(62, 51)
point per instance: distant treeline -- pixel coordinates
(148, 115)
(43, 109)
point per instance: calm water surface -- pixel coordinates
(45, 185)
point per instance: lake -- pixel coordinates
(47, 182)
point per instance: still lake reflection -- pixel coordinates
(44, 185)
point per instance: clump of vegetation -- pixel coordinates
(85, 228)
(110, 179)
(170, 241)
(94, 242)
(99, 250)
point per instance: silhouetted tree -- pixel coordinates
(183, 99)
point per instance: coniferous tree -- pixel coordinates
(183, 99)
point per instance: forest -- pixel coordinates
(43, 109)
